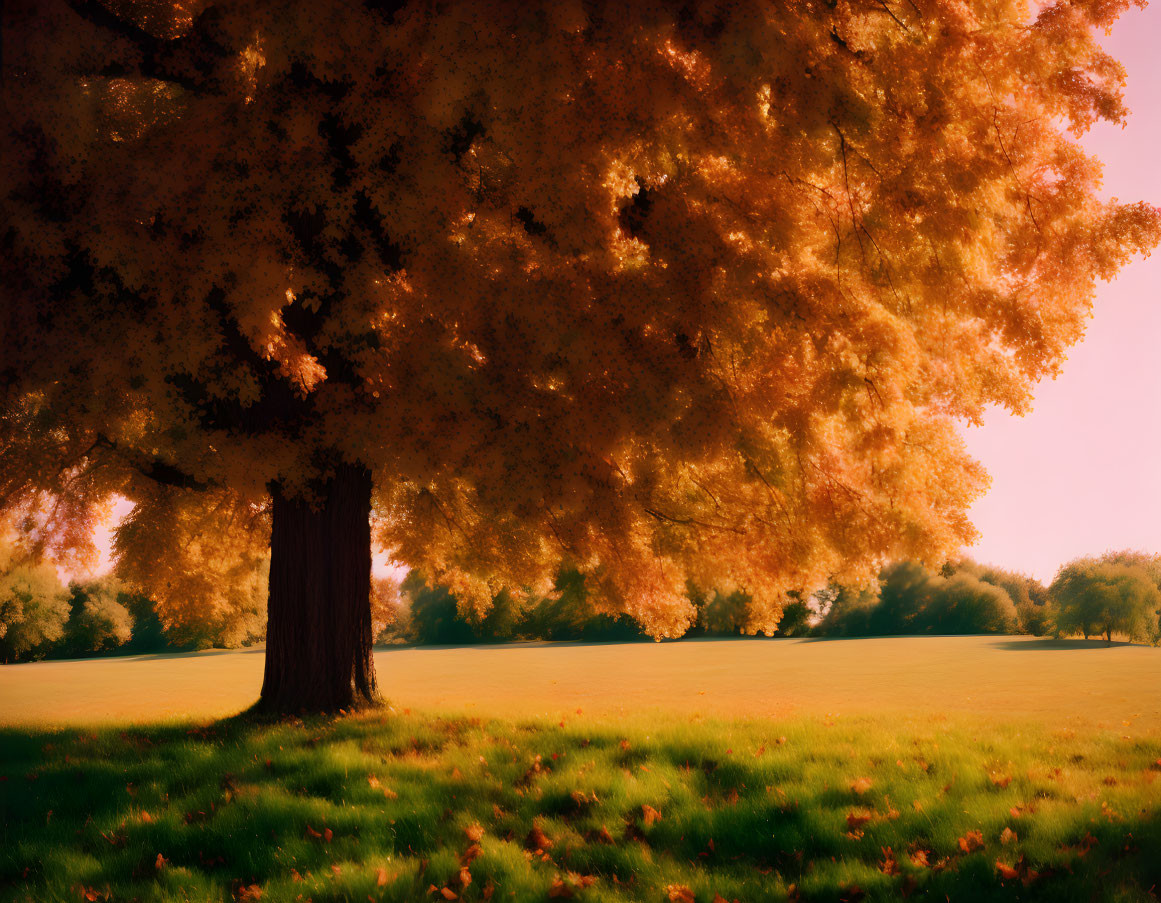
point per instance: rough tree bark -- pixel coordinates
(318, 634)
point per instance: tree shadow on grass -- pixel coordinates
(1041, 643)
(390, 806)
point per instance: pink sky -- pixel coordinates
(1082, 472)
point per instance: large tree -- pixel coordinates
(671, 291)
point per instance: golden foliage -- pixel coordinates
(677, 296)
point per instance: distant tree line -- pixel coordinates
(1117, 595)
(1114, 595)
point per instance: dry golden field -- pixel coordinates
(1062, 683)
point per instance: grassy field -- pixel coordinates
(1062, 683)
(898, 786)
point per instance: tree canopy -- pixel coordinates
(672, 291)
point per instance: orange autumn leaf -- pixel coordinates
(537, 840)
(602, 835)
(649, 815)
(856, 820)
(971, 841)
(861, 785)
(472, 853)
(679, 893)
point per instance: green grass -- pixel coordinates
(384, 806)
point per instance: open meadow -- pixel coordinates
(959, 768)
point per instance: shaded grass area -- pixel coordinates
(406, 807)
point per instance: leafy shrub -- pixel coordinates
(434, 615)
(1094, 596)
(795, 619)
(98, 621)
(718, 614)
(912, 600)
(390, 613)
(849, 612)
(34, 608)
(962, 604)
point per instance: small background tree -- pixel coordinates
(34, 607)
(1097, 596)
(98, 620)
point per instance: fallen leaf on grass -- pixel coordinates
(1086, 843)
(1020, 871)
(861, 785)
(1008, 836)
(475, 833)
(650, 815)
(566, 887)
(160, 863)
(679, 893)
(601, 836)
(889, 866)
(971, 841)
(856, 820)
(448, 893)
(471, 853)
(380, 877)
(537, 840)
(247, 893)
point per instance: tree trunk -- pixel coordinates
(318, 632)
